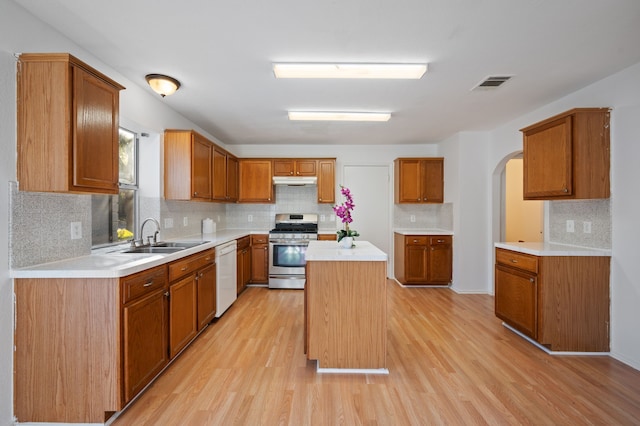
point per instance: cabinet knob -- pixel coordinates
(531, 279)
(415, 241)
(565, 190)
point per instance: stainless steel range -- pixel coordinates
(288, 243)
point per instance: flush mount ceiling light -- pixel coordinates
(318, 70)
(162, 84)
(338, 116)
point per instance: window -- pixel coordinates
(114, 217)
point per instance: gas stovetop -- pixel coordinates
(295, 225)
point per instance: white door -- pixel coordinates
(370, 188)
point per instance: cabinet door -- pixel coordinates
(206, 278)
(256, 185)
(95, 139)
(219, 175)
(432, 180)
(284, 167)
(260, 263)
(547, 160)
(516, 299)
(201, 168)
(439, 264)
(232, 179)
(145, 324)
(306, 167)
(326, 181)
(183, 322)
(415, 264)
(409, 182)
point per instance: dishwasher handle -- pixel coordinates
(226, 248)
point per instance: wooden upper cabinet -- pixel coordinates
(225, 176)
(187, 166)
(419, 180)
(67, 126)
(255, 176)
(294, 167)
(567, 156)
(232, 178)
(327, 181)
(219, 175)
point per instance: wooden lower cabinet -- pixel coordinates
(206, 279)
(259, 258)
(561, 302)
(145, 326)
(243, 264)
(189, 310)
(183, 319)
(423, 259)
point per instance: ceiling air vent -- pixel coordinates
(492, 82)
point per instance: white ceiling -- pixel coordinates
(222, 52)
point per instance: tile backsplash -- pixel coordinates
(597, 212)
(426, 216)
(39, 226)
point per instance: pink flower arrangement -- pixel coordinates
(343, 211)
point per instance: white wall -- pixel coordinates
(7, 173)
(467, 188)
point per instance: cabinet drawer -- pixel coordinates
(189, 264)
(514, 259)
(243, 243)
(416, 240)
(259, 239)
(136, 285)
(436, 240)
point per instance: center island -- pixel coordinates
(345, 307)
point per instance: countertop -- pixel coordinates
(330, 251)
(112, 263)
(423, 231)
(551, 249)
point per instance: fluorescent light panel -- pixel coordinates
(317, 70)
(338, 116)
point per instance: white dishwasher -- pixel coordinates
(226, 286)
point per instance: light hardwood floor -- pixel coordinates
(450, 361)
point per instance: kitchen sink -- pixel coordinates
(179, 244)
(165, 247)
(154, 249)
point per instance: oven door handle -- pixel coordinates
(289, 242)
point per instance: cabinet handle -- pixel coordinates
(147, 284)
(514, 261)
(184, 268)
(415, 241)
(441, 241)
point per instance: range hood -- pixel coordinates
(295, 180)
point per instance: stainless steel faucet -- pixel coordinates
(155, 234)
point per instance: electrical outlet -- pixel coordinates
(412, 218)
(76, 230)
(185, 221)
(331, 218)
(250, 218)
(323, 218)
(586, 227)
(168, 222)
(571, 226)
